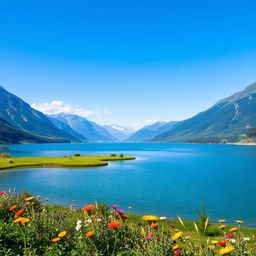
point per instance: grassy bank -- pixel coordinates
(29, 227)
(8, 162)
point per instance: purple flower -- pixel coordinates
(114, 206)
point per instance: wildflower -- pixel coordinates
(18, 213)
(90, 233)
(116, 216)
(154, 225)
(148, 237)
(12, 208)
(162, 218)
(175, 247)
(226, 250)
(211, 247)
(172, 226)
(232, 241)
(114, 206)
(17, 220)
(26, 204)
(221, 221)
(29, 198)
(239, 221)
(176, 230)
(177, 236)
(150, 218)
(89, 207)
(222, 227)
(120, 211)
(214, 242)
(229, 236)
(56, 239)
(124, 217)
(129, 208)
(178, 252)
(222, 243)
(38, 196)
(233, 229)
(2, 193)
(246, 238)
(21, 220)
(78, 225)
(114, 224)
(46, 199)
(62, 234)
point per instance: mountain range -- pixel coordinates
(226, 121)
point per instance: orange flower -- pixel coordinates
(154, 225)
(56, 239)
(233, 229)
(21, 220)
(18, 213)
(176, 230)
(14, 207)
(114, 224)
(89, 234)
(88, 208)
(62, 234)
(222, 227)
(150, 218)
(17, 220)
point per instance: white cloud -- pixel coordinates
(58, 106)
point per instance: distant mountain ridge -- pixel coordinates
(228, 119)
(86, 128)
(119, 132)
(22, 116)
(148, 132)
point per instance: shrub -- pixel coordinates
(10, 162)
(113, 155)
(121, 155)
(5, 155)
(77, 154)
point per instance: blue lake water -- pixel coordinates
(166, 179)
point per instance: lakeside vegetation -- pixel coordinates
(29, 227)
(8, 162)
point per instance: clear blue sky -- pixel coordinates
(129, 61)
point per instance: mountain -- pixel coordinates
(19, 114)
(148, 132)
(12, 135)
(119, 132)
(227, 120)
(86, 128)
(66, 128)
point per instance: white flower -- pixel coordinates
(162, 218)
(99, 220)
(232, 241)
(246, 238)
(78, 225)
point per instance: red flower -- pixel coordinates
(125, 217)
(2, 193)
(178, 252)
(18, 213)
(222, 243)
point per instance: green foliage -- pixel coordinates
(5, 155)
(121, 155)
(132, 237)
(113, 155)
(77, 154)
(203, 224)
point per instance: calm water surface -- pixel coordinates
(166, 179)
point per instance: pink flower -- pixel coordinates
(2, 193)
(116, 216)
(229, 235)
(120, 211)
(148, 237)
(114, 206)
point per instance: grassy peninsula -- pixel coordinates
(8, 162)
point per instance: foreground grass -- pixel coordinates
(28, 227)
(71, 161)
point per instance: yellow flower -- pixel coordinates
(29, 198)
(211, 247)
(177, 236)
(233, 229)
(239, 221)
(175, 247)
(38, 196)
(214, 242)
(226, 250)
(56, 239)
(150, 218)
(17, 220)
(222, 226)
(62, 234)
(21, 220)
(221, 221)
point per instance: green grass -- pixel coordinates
(72, 161)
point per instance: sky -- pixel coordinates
(127, 62)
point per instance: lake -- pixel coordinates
(166, 179)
